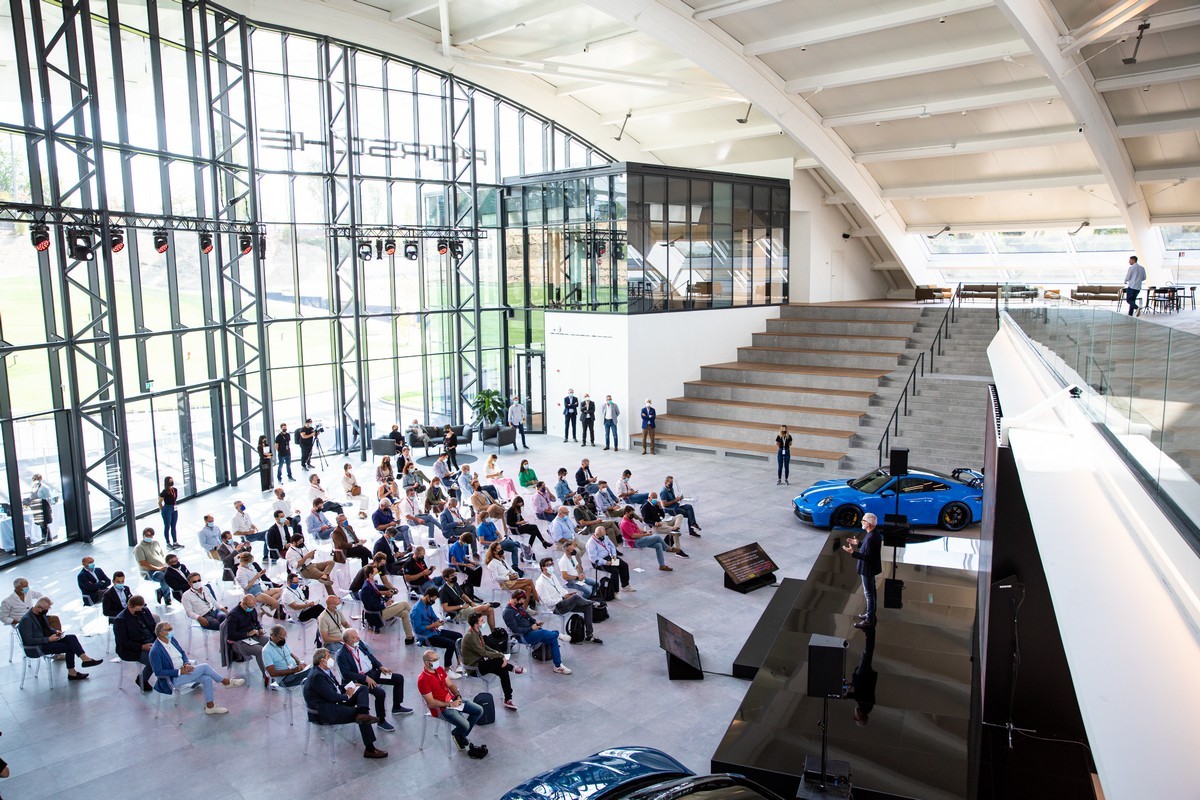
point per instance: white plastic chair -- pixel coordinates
(471, 672)
(428, 718)
(325, 732)
(176, 692)
(39, 658)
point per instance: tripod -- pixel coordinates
(320, 451)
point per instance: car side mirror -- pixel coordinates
(887, 494)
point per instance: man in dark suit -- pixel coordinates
(277, 536)
(357, 663)
(134, 632)
(177, 576)
(329, 705)
(116, 598)
(386, 545)
(587, 416)
(868, 553)
(570, 413)
(93, 583)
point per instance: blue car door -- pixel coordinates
(917, 501)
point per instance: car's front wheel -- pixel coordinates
(846, 517)
(954, 517)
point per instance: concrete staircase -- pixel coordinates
(815, 369)
(833, 375)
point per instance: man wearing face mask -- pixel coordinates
(443, 699)
(245, 633)
(570, 414)
(172, 669)
(603, 555)
(521, 622)
(200, 603)
(116, 598)
(210, 537)
(35, 631)
(331, 706)
(587, 416)
(133, 630)
(177, 576)
(457, 602)
(562, 600)
(649, 415)
(674, 505)
(93, 583)
(295, 597)
(151, 558)
(357, 663)
(611, 413)
(243, 527)
(290, 513)
(516, 419)
(282, 665)
(663, 523)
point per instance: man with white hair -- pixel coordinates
(35, 631)
(868, 554)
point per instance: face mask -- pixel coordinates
(241, 508)
(90, 567)
(23, 591)
(196, 586)
(147, 538)
(294, 585)
(433, 665)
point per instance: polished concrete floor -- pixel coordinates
(88, 737)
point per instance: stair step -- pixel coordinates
(760, 426)
(725, 446)
(795, 375)
(773, 388)
(850, 416)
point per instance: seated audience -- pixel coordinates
(93, 583)
(133, 630)
(253, 580)
(626, 492)
(305, 564)
(525, 474)
(523, 624)
(290, 513)
(563, 528)
(116, 598)
(429, 627)
(173, 670)
(457, 602)
(357, 663)
(493, 473)
(635, 537)
(384, 470)
(505, 578)
(571, 570)
(584, 479)
(516, 521)
(562, 489)
(284, 668)
(329, 705)
(295, 598)
(663, 523)
(443, 699)
(36, 633)
(543, 502)
(564, 601)
(177, 576)
(675, 505)
(17, 604)
(459, 557)
(245, 634)
(317, 492)
(346, 541)
(152, 559)
(488, 530)
(353, 489)
(586, 519)
(200, 603)
(381, 601)
(603, 556)
(452, 522)
(315, 524)
(486, 661)
(435, 498)
(411, 514)
(418, 575)
(331, 624)
(210, 537)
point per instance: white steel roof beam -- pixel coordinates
(966, 226)
(980, 144)
(858, 26)
(907, 67)
(1102, 24)
(511, 20)
(723, 8)
(716, 137)
(1155, 125)
(1025, 92)
(1074, 81)
(969, 189)
(672, 23)
(1152, 76)
(667, 109)
(584, 44)
(1181, 173)
(412, 8)
(1159, 23)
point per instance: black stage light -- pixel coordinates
(443, 247)
(601, 249)
(411, 250)
(116, 240)
(245, 244)
(161, 242)
(39, 236)
(456, 248)
(206, 242)
(364, 251)
(389, 247)
(79, 244)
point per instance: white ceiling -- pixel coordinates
(914, 115)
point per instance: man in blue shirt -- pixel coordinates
(315, 523)
(649, 415)
(283, 667)
(459, 557)
(210, 536)
(562, 529)
(673, 505)
(427, 627)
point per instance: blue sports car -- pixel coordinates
(634, 772)
(926, 497)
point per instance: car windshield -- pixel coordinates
(872, 482)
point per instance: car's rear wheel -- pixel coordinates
(846, 517)
(954, 517)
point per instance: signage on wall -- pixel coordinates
(280, 139)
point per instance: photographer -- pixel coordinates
(308, 437)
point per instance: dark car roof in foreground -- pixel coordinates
(590, 777)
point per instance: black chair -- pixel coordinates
(499, 437)
(465, 435)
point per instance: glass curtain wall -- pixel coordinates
(636, 238)
(258, 157)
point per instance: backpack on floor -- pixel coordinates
(575, 628)
(485, 701)
(497, 640)
(605, 591)
(542, 652)
(600, 612)
(527, 553)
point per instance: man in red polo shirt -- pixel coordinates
(442, 697)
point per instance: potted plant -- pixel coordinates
(489, 408)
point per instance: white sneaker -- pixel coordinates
(237, 681)
(216, 710)
(456, 674)
(562, 669)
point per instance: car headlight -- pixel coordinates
(826, 501)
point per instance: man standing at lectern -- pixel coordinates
(868, 552)
(570, 414)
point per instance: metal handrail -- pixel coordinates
(948, 318)
(912, 381)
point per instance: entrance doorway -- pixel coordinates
(528, 380)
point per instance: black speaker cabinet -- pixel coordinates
(826, 665)
(899, 462)
(893, 593)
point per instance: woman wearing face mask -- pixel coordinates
(167, 499)
(783, 456)
(265, 454)
(525, 475)
(494, 474)
(173, 670)
(251, 581)
(505, 578)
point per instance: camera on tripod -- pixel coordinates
(318, 428)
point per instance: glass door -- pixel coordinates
(528, 380)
